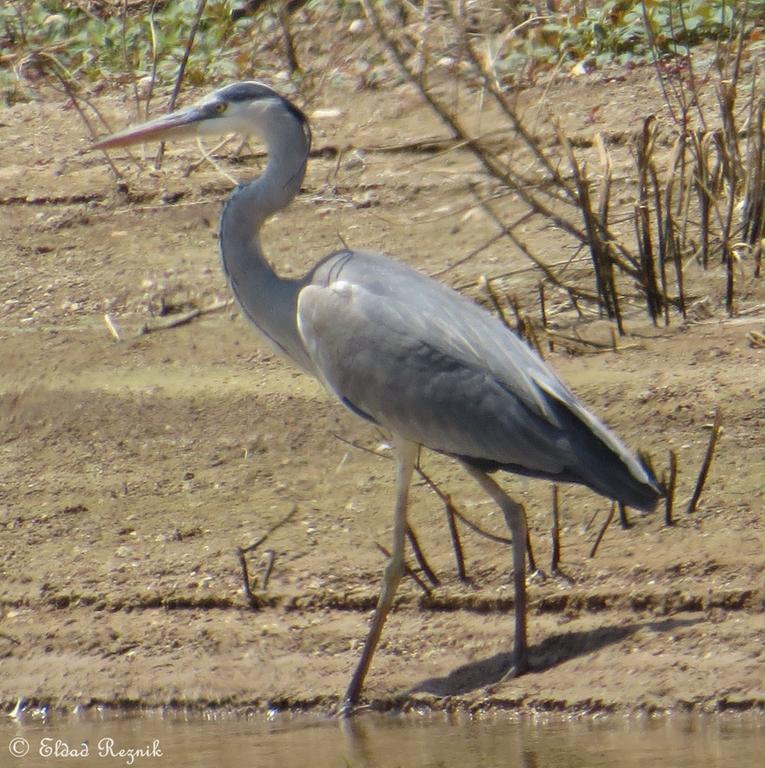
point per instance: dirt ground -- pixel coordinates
(130, 471)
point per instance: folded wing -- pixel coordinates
(424, 362)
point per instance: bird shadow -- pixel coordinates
(551, 652)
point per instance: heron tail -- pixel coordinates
(604, 464)
(597, 459)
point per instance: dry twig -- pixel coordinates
(182, 71)
(408, 572)
(241, 553)
(603, 528)
(555, 531)
(670, 483)
(183, 318)
(707, 463)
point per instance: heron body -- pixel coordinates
(401, 350)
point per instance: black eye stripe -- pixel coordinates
(247, 92)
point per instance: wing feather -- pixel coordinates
(414, 374)
(430, 365)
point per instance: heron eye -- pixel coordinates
(221, 107)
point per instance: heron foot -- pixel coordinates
(515, 670)
(348, 708)
(561, 575)
(540, 577)
(537, 577)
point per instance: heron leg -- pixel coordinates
(406, 453)
(515, 517)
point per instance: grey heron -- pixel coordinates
(401, 350)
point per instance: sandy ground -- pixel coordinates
(131, 470)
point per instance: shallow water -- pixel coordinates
(385, 741)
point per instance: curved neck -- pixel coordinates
(267, 299)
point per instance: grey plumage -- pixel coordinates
(401, 350)
(429, 364)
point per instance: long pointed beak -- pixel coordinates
(172, 126)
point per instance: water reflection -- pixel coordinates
(384, 741)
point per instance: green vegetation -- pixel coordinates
(625, 31)
(89, 47)
(96, 41)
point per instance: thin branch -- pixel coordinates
(602, 531)
(184, 318)
(408, 572)
(670, 483)
(241, 553)
(182, 71)
(707, 463)
(419, 556)
(555, 530)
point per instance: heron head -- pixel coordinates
(245, 107)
